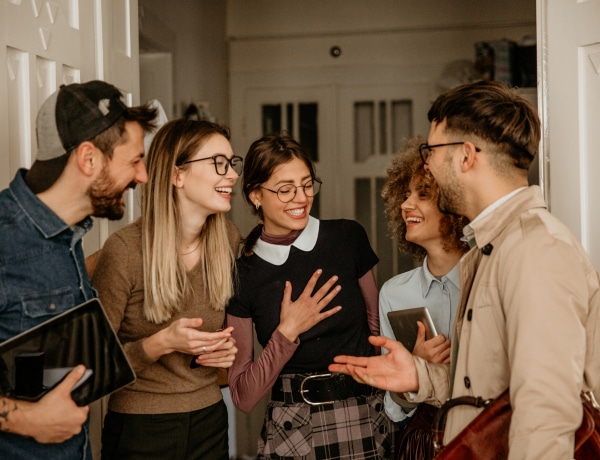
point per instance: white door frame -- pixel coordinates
(568, 103)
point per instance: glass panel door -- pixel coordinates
(379, 118)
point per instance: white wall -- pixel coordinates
(293, 18)
(194, 32)
(287, 44)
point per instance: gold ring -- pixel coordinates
(204, 349)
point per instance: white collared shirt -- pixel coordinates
(277, 254)
(468, 230)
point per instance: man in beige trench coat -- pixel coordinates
(528, 318)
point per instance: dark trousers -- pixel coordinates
(201, 434)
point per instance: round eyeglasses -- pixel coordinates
(287, 192)
(222, 163)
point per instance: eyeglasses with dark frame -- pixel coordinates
(222, 163)
(287, 192)
(425, 150)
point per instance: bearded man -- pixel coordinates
(90, 151)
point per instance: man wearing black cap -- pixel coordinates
(90, 150)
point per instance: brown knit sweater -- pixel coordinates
(167, 385)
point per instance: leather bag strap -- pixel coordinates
(439, 424)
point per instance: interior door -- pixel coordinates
(45, 44)
(117, 58)
(570, 92)
(117, 52)
(373, 121)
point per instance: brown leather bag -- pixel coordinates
(486, 437)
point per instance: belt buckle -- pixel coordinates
(302, 390)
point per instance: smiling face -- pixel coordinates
(421, 214)
(123, 171)
(282, 218)
(200, 189)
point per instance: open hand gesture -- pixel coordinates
(299, 316)
(394, 371)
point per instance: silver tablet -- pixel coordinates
(404, 325)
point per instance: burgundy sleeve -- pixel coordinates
(370, 293)
(249, 381)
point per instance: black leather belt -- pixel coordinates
(317, 389)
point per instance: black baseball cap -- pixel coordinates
(73, 114)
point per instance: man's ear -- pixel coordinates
(469, 156)
(88, 158)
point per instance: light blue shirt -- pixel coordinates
(418, 288)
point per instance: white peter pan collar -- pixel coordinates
(277, 254)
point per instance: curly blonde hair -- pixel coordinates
(407, 166)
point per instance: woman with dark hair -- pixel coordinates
(313, 414)
(435, 240)
(164, 281)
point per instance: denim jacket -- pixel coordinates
(42, 274)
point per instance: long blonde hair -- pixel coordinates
(165, 276)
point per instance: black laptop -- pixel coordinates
(36, 360)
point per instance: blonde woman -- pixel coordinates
(164, 281)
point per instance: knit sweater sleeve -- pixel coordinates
(115, 277)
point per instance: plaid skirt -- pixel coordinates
(351, 429)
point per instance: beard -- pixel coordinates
(447, 202)
(106, 198)
(451, 194)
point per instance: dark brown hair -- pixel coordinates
(113, 136)
(493, 112)
(263, 156)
